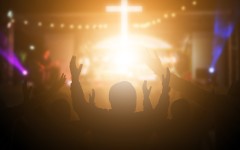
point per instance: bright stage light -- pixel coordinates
(124, 58)
(211, 70)
(24, 72)
(13, 60)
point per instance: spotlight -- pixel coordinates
(211, 70)
(24, 72)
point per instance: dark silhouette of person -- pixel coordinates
(118, 128)
(181, 131)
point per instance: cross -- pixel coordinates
(124, 9)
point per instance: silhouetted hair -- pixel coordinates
(122, 97)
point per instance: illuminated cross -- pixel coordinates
(124, 9)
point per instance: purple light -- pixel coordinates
(223, 29)
(12, 59)
(211, 70)
(25, 73)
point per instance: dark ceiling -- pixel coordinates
(78, 6)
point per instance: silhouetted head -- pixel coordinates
(60, 110)
(180, 110)
(122, 97)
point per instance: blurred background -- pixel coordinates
(197, 39)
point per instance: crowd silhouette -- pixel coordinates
(43, 122)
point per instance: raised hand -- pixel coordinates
(62, 80)
(75, 71)
(163, 104)
(146, 101)
(92, 98)
(153, 62)
(146, 90)
(165, 82)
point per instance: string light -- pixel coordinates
(52, 25)
(79, 27)
(100, 26)
(183, 8)
(62, 25)
(71, 26)
(105, 26)
(165, 16)
(194, 3)
(25, 22)
(173, 15)
(87, 27)
(94, 26)
(39, 24)
(158, 20)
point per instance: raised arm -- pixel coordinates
(187, 89)
(163, 103)
(147, 106)
(79, 101)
